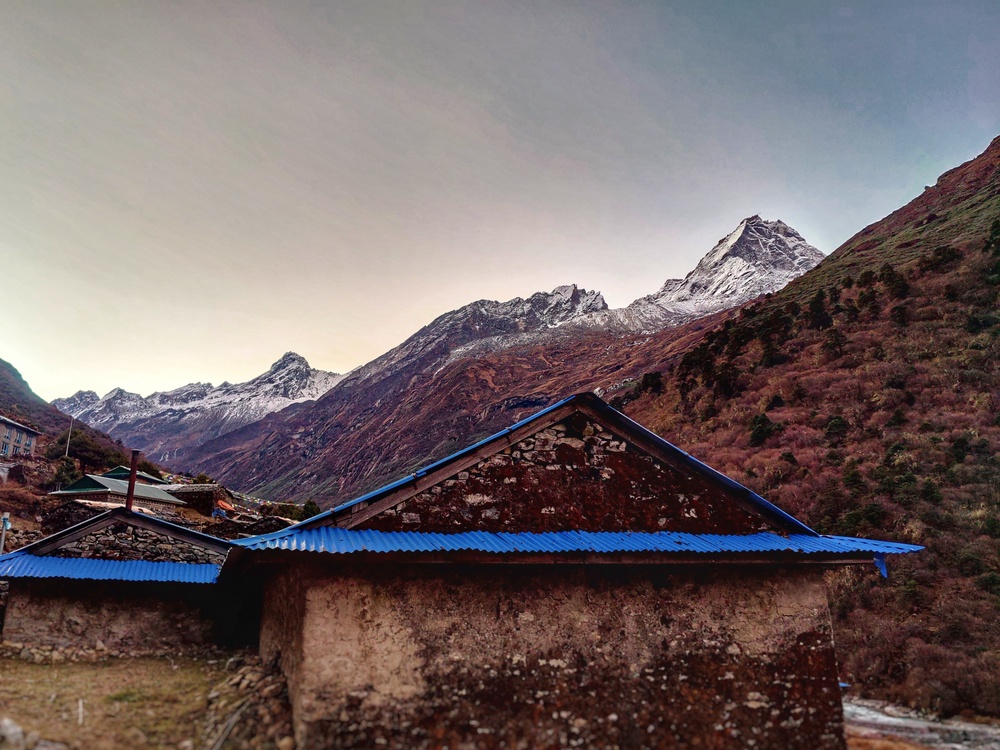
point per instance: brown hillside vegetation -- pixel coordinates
(19, 402)
(864, 399)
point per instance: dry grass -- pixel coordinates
(148, 702)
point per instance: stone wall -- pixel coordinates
(555, 656)
(121, 541)
(576, 475)
(122, 616)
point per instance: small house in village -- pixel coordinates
(16, 439)
(103, 489)
(138, 583)
(574, 580)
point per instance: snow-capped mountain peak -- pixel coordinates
(163, 422)
(757, 257)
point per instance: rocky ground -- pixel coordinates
(876, 725)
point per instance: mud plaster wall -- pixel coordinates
(122, 616)
(282, 625)
(528, 657)
(575, 475)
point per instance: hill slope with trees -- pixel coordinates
(864, 399)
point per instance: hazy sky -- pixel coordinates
(189, 189)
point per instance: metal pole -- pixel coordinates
(4, 521)
(131, 480)
(68, 436)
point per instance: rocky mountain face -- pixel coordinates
(756, 258)
(294, 454)
(185, 428)
(168, 425)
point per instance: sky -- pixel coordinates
(191, 189)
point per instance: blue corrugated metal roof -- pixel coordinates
(24, 565)
(345, 541)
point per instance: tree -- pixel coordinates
(66, 473)
(310, 509)
(834, 342)
(819, 318)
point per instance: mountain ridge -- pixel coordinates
(173, 426)
(161, 423)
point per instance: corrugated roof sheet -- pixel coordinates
(23, 565)
(345, 541)
(119, 487)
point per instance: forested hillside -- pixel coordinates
(864, 399)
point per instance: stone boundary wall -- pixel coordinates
(114, 616)
(554, 656)
(122, 541)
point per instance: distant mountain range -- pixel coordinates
(184, 428)
(166, 425)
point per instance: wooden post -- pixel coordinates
(131, 480)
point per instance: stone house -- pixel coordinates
(127, 580)
(99, 488)
(573, 580)
(16, 439)
(141, 477)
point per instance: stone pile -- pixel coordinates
(250, 710)
(98, 652)
(12, 737)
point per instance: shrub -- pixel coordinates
(990, 583)
(895, 285)
(900, 315)
(979, 322)
(940, 259)
(834, 342)
(969, 563)
(819, 318)
(836, 429)
(761, 428)
(897, 419)
(930, 492)
(652, 382)
(991, 526)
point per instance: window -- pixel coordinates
(28, 442)
(3, 449)
(17, 436)
(6, 434)
(17, 450)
